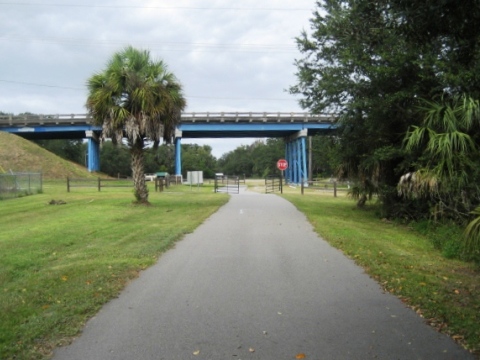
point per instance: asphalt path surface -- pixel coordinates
(255, 282)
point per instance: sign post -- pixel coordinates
(282, 165)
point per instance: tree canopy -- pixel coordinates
(374, 63)
(138, 98)
(258, 159)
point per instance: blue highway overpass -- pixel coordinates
(293, 127)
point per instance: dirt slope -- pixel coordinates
(20, 155)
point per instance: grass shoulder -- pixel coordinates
(446, 292)
(62, 261)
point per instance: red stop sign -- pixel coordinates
(282, 164)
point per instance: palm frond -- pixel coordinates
(472, 234)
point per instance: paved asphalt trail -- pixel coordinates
(255, 282)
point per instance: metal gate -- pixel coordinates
(227, 184)
(273, 183)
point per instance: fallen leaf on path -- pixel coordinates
(300, 356)
(196, 352)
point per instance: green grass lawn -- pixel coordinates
(445, 292)
(60, 263)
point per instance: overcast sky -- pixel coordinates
(228, 55)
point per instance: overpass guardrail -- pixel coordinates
(190, 117)
(57, 119)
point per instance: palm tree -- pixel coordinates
(447, 170)
(137, 98)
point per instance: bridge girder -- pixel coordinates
(192, 125)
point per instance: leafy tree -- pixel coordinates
(325, 155)
(72, 150)
(115, 160)
(237, 162)
(447, 32)
(160, 159)
(258, 159)
(357, 66)
(265, 156)
(371, 62)
(136, 97)
(198, 158)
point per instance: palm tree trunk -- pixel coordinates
(138, 173)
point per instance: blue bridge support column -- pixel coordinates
(295, 161)
(93, 153)
(296, 155)
(288, 157)
(178, 153)
(303, 163)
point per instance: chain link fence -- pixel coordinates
(14, 185)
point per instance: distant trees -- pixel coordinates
(256, 160)
(198, 158)
(237, 162)
(160, 159)
(260, 158)
(325, 155)
(72, 150)
(265, 156)
(115, 160)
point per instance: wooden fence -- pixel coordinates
(332, 186)
(98, 183)
(162, 183)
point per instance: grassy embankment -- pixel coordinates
(445, 292)
(60, 263)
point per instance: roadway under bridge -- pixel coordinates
(293, 127)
